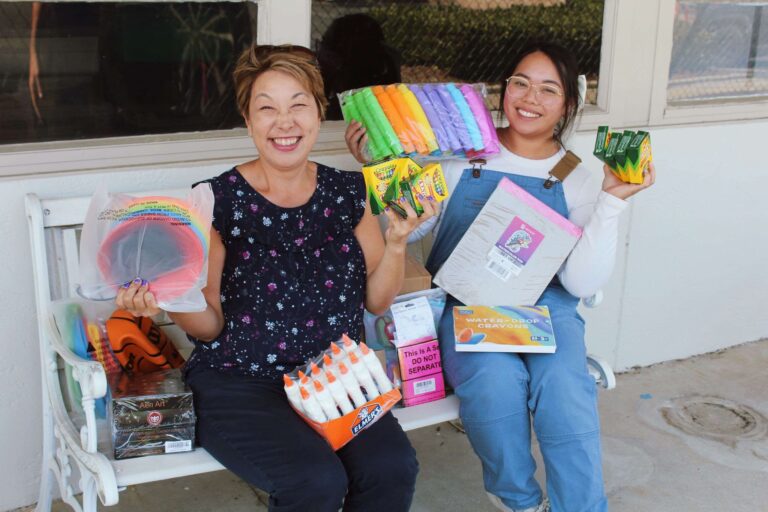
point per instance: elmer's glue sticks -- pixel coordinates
(311, 406)
(363, 376)
(336, 353)
(374, 366)
(292, 390)
(339, 394)
(327, 404)
(351, 385)
(303, 379)
(349, 346)
(315, 372)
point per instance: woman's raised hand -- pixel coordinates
(356, 139)
(398, 228)
(137, 299)
(614, 186)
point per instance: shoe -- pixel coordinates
(541, 507)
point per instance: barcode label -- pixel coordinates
(424, 386)
(501, 265)
(499, 271)
(178, 446)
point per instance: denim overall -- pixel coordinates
(497, 391)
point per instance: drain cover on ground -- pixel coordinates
(715, 418)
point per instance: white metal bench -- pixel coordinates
(75, 456)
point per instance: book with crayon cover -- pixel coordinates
(503, 329)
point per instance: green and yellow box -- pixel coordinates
(627, 154)
(639, 155)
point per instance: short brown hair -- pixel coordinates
(296, 61)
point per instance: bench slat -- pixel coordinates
(161, 467)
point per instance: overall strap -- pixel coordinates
(563, 168)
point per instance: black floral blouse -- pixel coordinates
(294, 278)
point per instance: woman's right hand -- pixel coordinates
(356, 138)
(137, 299)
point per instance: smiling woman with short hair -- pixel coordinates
(295, 257)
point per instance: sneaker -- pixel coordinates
(541, 507)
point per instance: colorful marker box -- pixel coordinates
(431, 182)
(378, 177)
(639, 155)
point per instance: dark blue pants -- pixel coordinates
(248, 426)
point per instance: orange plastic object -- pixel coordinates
(409, 119)
(139, 345)
(394, 118)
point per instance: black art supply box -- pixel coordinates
(150, 414)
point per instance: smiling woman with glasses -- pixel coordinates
(501, 392)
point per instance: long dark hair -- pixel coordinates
(567, 69)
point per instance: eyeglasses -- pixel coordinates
(265, 50)
(518, 87)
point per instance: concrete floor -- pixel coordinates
(681, 436)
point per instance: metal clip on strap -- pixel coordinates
(562, 169)
(477, 166)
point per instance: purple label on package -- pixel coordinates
(513, 250)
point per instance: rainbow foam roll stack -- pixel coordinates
(626, 153)
(158, 239)
(427, 120)
(341, 392)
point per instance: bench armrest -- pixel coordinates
(91, 378)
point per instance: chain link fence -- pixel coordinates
(447, 40)
(720, 52)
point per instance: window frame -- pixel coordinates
(632, 92)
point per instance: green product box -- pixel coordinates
(601, 142)
(610, 152)
(621, 154)
(639, 155)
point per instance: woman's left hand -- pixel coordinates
(398, 228)
(614, 186)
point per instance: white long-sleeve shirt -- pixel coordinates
(591, 262)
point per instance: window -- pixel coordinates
(82, 70)
(372, 42)
(719, 52)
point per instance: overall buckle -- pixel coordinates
(477, 166)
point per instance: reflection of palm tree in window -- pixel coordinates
(161, 67)
(205, 60)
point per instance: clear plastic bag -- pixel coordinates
(427, 120)
(163, 240)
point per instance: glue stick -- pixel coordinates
(326, 401)
(315, 372)
(351, 385)
(336, 353)
(312, 409)
(374, 366)
(363, 376)
(303, 379)
(348, 345)
(293, 393)
(339, 394)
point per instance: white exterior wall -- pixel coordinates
(690, 276)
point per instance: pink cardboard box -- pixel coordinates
(421, 371)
